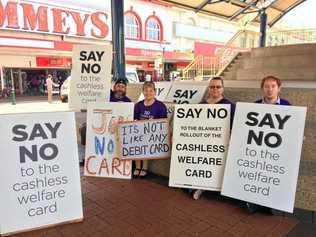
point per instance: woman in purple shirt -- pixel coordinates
(149, 108)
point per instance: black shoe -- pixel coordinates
(251, 208)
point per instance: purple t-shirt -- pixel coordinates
(155, 111)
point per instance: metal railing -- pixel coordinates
(205, 67)
(288, 37)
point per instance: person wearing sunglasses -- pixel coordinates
(216, 96)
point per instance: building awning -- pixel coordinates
(236, 9)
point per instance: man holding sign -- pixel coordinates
(149, 108)
(271, 88)
(263, 158)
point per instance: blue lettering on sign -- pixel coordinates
(100, 144)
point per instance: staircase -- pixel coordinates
(206, 67)
(288, 62)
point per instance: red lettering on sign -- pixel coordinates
(31, 19)
(10, 12)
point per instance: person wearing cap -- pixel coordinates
(270, 89)
(149, 108)
(118, 94)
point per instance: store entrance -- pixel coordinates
(31, 82)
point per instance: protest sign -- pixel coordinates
(200, 143)
(162, 90)
(186, 93)
(39, 172)
(102, 153)
(264, 155)
(144, 139)
(90, 75)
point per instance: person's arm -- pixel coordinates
(232, 114)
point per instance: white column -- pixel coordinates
(2, 78)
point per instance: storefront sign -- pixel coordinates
(49, 19)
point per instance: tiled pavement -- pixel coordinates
(146, 208)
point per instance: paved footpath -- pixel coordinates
(146, 208)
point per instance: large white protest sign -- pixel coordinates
(144, 139)
(264, 155)
(199, 148)
(90, 75)
(162, 90)
(102, 151)
(39, 172)
(186, 93)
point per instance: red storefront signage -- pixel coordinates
(42, 18)
(53, 62)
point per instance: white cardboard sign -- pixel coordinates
(39, 172)
(90, 75)
(200, 142)
(162, 90)
(264, 155)
(186, 93)
(102, 150)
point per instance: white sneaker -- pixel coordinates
(197, 194)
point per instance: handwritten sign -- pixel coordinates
(145, 139)
(102, 154)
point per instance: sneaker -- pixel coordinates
(197, 194)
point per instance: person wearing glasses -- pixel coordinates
(216, 96)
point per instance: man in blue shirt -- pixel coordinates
(271, 88)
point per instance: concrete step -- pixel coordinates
(284, 50)
(294, 73)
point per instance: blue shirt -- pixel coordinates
(279, 101)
